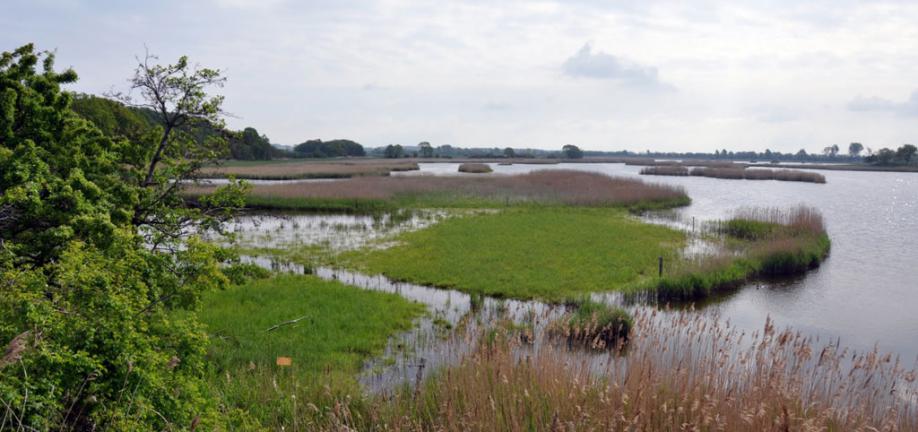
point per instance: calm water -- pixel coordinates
(865, 293)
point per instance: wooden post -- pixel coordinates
(661, 266)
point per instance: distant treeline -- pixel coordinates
(115, 119)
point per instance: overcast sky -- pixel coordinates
(636, 75)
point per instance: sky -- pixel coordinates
(603, 75)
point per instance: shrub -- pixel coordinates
(475, 168)
(595, 324)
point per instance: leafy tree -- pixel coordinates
(885, 156)
(509, 153)
(906, 153)
(571, 151)
(425, 149)
(335, 148)
(95, 260)
(855, 149)
(394, 151)
(250, 145)
(831, 151)
(801, 154)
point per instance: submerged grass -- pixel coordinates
(546, 253)
(326, 328)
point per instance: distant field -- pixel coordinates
(546, 253)
(339, 328)
(307, 168)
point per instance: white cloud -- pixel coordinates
(874, 103)
(587, 64)
(750, 75)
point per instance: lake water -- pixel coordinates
(865, 293)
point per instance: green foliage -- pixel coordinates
(95, 261)
(547, 253)
(592, 321)
(904, 155)
(572, 152)
(749, 229)
(339, 327)
(335, 148)
(393, 151)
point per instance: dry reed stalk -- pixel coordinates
(475, 168)
(682, 371)
(311, 169)
(549, 186)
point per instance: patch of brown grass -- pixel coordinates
(548, 186)
(668, 170)
(682, 371)
(739, 173)
(475, 168)
(310, 169)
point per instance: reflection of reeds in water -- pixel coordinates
(682, 371)
(550, 186)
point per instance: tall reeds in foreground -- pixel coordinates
(682, 371)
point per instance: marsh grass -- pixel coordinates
(740, 173)
(683, 371)
(762, 242)
(336, 329)
(541, 188)
(593, 324)
(668, 170)
(547, 253)
(475, 168)
(307, 169)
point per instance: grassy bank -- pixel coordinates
(337, 328)
(761, 243)
(541, 188)
(546, 253)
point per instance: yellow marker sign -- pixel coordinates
(284, 361)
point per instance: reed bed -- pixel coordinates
(475, 168)
(594, 325)
(549, 187)
(760, 242)
(667, 170)
(740, 173)
(681, 371)
(292, 170)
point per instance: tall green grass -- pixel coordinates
(770, 243)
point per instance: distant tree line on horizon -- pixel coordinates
(117, 120)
